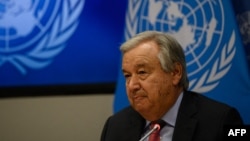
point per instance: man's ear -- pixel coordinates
(177, 73)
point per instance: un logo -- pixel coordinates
(199, 27)
(33, 32)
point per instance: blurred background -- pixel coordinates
(60, 75)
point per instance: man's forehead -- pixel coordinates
(136, 65)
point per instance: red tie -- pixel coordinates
(155, 135)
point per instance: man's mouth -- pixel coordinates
(138, 98)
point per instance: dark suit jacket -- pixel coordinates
(199, 119)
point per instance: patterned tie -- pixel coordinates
(155, 135)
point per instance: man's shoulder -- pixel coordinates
(207, 103)
(206, 108)
(125, 113)
(126, 117)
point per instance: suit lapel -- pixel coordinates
(185, 124)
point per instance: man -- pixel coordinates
(154, 68)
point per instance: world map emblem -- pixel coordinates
(198, 26)
(33, 32)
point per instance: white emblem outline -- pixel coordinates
(52, 43)
(210, 78)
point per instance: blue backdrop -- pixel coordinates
(71, 42)
(60, 42)
(212, 42)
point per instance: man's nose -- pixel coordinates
(133, 83)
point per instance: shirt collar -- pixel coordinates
(171, 115)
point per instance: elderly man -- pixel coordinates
(154, 68)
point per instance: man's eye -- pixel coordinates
(141, 72)
(126, 75)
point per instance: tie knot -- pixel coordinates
(159, 122)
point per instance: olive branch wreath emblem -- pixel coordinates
(210, 78)
(52, 43)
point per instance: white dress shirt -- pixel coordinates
(167, 131)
